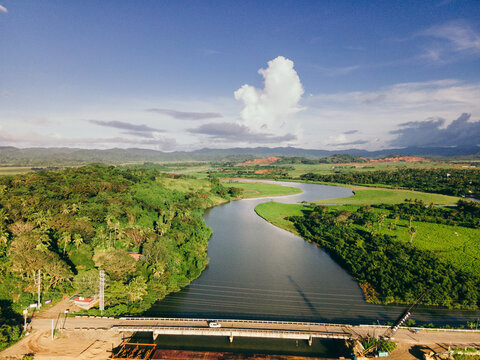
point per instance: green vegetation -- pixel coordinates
(70, 223)
(456, 182)
(9, 325)
(258, 189)
(277, 213)
(370, 196)
(396, 251)
(372, 345)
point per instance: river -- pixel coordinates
(258, 271)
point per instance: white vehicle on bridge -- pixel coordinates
(214, 324)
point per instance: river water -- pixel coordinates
(258, 271)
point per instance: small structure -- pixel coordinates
(84, 303)
(136, 256)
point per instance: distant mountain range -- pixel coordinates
(10, 155)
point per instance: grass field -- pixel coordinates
(371, 196)
(251, 189)
(257, 189)
(458, 245)
(276, 213)
(14, 170)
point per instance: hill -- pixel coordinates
(75, 156)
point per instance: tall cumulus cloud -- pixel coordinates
(266, 109)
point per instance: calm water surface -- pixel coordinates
(258, 271)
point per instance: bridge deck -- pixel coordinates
(234, 332)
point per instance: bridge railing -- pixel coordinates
(232, 321)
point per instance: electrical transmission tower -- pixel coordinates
(102, 291)
(391, 331)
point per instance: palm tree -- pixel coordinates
(66, 238)
(77, 240)
(381, 220)
(412, 231)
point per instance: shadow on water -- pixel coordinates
(304, 297)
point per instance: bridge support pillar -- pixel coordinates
(310, 340)
(231, 338)
(155, 335)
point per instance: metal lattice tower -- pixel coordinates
(102, 290)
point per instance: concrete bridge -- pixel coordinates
(232, 332)
(232, 328)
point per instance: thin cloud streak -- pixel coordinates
(185, 115)
(229, 132)
(336, 71)
(56, 140)
(348, 143)
(450, 42)
(3, 9)
(125, 126)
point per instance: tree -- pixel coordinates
(116, 263)
(116, 293)
(66, 238)
(55, 272)
(137, 289)
(381, 220)
(77, 240)
(412, 231)
(87, 283)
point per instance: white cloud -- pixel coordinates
(449, 41)
(3, 9)
(267, 109)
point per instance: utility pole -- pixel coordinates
(39, 304)
(25, 314)
(102, 291)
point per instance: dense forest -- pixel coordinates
(389, 270)
(456, 182)
(466, 213)
(70, 223)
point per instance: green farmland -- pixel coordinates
(457, 245)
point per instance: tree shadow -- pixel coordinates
(7, 314)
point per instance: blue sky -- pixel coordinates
(182, 75)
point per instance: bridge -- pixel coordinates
(232, 328)
(239, 328)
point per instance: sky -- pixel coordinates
(184, 75)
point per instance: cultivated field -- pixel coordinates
(458, 245)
